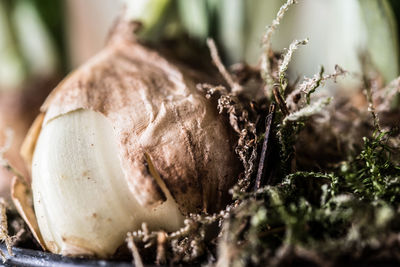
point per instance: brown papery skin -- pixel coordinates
(155, 110)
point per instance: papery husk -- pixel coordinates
(22, 198)
(158, 116)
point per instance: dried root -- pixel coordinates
(137, 259)
(235, 87)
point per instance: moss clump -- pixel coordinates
(334, 198)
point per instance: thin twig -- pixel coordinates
(235, 87)
(281, 102)
(264, 162)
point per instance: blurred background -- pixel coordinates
(42, 40)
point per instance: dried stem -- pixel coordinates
(265, 162)
(235, 87)
(281, 102)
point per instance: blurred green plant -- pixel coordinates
(53, 14)
(27, 47)
(236, 26)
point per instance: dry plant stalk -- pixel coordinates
(236, 88)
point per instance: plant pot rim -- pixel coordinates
(28, 257)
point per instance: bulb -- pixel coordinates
(76, 171)
(125, 139)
